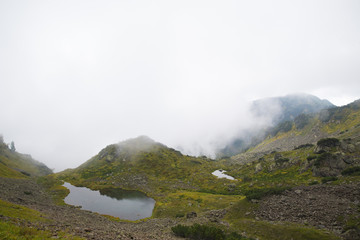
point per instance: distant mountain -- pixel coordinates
(18, 165)
(275, 110)
(287, 108)
(340, 122)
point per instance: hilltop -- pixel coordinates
(146, 165)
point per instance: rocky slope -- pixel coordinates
(324, 206)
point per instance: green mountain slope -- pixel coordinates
(277, 110)
(340, 122)
(17, 165)
(144, 164)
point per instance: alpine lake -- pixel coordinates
(124, 204)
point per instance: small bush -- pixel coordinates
(247, 179)
(313, 182)
(304, 146)
(198, 231)
(204, 232)
(179, 215)
(282, 160)
(351, 171)
(328, 142)
(311, 157)
(321, 151)
(328, 179)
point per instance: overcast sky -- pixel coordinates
(77, 75)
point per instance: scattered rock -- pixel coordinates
(191, 215)
(321, 207)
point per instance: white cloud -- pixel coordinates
(78, 75)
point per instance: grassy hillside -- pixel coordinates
(340, 122)
(178, 183)
(17, 165)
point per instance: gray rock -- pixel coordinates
(191, 215)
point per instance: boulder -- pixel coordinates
(191, 215)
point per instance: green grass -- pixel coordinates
(13, 160)
(54, 187)
(17, 211)
(182, 202)
(17, 214)
(10, 231)
(8, 172)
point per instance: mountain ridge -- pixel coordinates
(276, 110)
(14, 164)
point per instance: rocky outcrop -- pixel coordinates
(323, 206)
(334, 156)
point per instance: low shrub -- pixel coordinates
(247, 179)
(313, 182)
(204, 232)
(198, 231)
(351, 171)
(328, 142)
(328, 179)
(311, 157)
(282, 160)
(304, 146)
(179, 215)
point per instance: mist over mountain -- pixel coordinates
(289, 106)
(272, 111)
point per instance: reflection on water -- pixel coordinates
(221, 174)
(124, 204)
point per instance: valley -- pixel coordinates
(302, 181)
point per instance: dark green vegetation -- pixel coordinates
(351, 171)
(204, 232)
(259, 193)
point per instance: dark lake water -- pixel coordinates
(124, 204)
